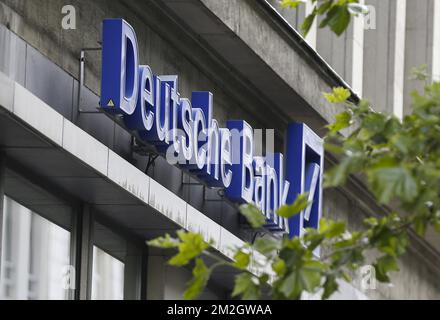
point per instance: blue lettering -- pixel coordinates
(187, 133)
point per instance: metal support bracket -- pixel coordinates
(82, 61)
(151, 161)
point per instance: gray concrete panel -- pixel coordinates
(12, 55)
(49, 82)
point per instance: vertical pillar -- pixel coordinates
(134, 269)
(144, 274)
(398, 8)
(422, 44)
(302, 12)
(355, 53)
(2, 198)
(344, 53)
(436, 42)
(84, 253)
(156, 277)
(384, 58)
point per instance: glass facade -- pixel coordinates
(107, 276)
(50, 242)
(35, 256)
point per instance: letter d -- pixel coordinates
(120, 76)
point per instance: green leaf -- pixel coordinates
(264, 278)
(164, 242)
(372, 124)
(338, 95)
(300, 204)
(419, 73)
(393, 182)
(392, 244)
(293, 251)
(279, 267)
(346, 276)
(336, 229)
(331, 229)
(330, 287)
(343, 120)
(362, 107)
(403, 143)
(312, 238)
(307, 277)
(241, 260)
(200, 278)
(253, 215)
(191, 246)
(308, 22)
(247, 286)
(420, 225)
(292, 4)
(291, 286)
(311, 275)
(384, 265)
(324, 7)
(437, 226)
(267, 246)
(333, 148)
(372, 221)
(338, 175)
(339, 19)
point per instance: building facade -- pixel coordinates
(80, 195)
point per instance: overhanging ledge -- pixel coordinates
(37, 138)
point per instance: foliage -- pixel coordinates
(336, 13)
(399, 161)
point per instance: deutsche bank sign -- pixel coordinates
(185, 131)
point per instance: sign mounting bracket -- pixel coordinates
(81, 85)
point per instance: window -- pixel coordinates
(42, 237)
(108, 276)
(35, 255)
(109, 253)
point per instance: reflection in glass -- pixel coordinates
(36, 253)
(108, 276)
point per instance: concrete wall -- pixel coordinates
(43, 57)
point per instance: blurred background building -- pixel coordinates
(378, 52)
